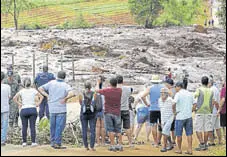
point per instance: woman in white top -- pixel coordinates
(28, 99)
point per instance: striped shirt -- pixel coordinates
(166, 109)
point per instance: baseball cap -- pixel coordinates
(10, 73)
(179, 84)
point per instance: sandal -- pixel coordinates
(178, 152)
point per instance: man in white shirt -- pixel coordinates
(5, 95)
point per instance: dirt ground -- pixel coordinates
(139, 150)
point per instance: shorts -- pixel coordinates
(112, 123)
(155, 117)
(100, 115)
(132, 118)
(203, 122)
(166, 127)
(143, 115)
(216, 122)
(173, 126)
(125, 119)
(223, 120)
(186, 124)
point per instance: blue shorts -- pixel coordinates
(100, 115)
(143, 115)
(112, 123)
(186, 124)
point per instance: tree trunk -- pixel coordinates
(15, 14)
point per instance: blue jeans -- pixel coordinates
(57, 126)
(112, 123)
(91, 119)
(28, 114)
(44, 109)
(4, 126)
(186, 124)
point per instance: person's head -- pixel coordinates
(155, 79)
(211, 82)
(179, 86)
(61, 75)
(10, 74)
(45, 68)
(2, 76)
(164, 93)
(87, 86)
(120, 79)
(102, 78)
(169, 83)
(27, 82)
(113, 82)
(205, 81)
(169, 69)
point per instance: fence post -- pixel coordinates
(61, 61)
(47, 59)
(13, 60)
(33, 65)
(73, 67)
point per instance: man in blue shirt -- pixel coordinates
(59, 93)
(155, 114)
(41, 79)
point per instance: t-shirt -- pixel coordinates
(43, 78)
(57, 90)
(184, 103)
(112, 100)
(204, 102)
(126, 92)
(154, 96)
(166, 108)
(28, 97)
(216, 98)
(5, 95)
(223, 95)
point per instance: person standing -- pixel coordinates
(41, 79)
(222, 109)
(155, 114)
(182, 110)
(216, 118)
(112, 112)
(88, 115)
(203, 117)
(13, 108)
(16, 76)
(59, 93)
(166, 108)
(30, 99)
(125, 113)
(5, 96)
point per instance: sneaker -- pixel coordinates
(211, 144)
(201, 147)
(34, 144)
(112, 149)
(119, 148)
(56, 146)
(24, 144)
(163, 150)
(169, 148)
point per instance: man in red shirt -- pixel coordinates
(112, 112)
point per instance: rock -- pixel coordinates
(199, 29)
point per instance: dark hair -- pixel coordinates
(169, 69)
(113, 82)
(170, 81)
(205, 80)
(45, 68)
(87, 85)
(27, 82)
(180, 84)
(61, 75)
(2, 76)
(120, 79)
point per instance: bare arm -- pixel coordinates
(221, 105)
(144, 95)
(42, 91)
(39, 97)
(16, 100)
(70, 95)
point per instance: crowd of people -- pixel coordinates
(107, 113)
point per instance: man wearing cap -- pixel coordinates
(13, 107)
(41, 79)
(182, 109)
(16, 76)
(155, 114)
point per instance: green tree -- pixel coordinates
(14, 7)
(179, 12)
(145, 11)
(222, 13)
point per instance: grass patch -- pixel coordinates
(218, 151)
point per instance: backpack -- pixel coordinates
(87, 106)
(99, 103)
